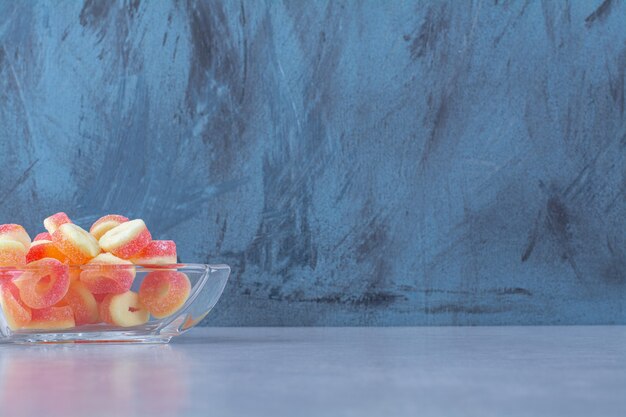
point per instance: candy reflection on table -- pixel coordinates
(95, 381)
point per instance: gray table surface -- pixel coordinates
(437, 371)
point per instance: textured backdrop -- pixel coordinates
(364, 162)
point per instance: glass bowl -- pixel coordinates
(207, 284)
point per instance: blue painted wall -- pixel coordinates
(390, 163)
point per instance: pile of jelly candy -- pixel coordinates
(69, 277)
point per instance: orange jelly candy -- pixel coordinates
(15, 232)
(52, 318)
(164, 292)
(16, 312)
(12, 253)
(55, 221)
(99, 297)
(43, 283)
(123, 310)
(106, 223)
(158, 252)
(103, 309)
(40, 249)
(43, 236)
(76, 243)
(127, 239)
(108, 274)
(83, 304)
(75, 272)
(190, 321)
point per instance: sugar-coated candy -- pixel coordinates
(15, 232)
(75, 272)
(52, 318)
(17, 313)
(40, 249)
(157, 252)
(69, 277)
(43, 236)
(104, 309)
(106, 223)
(55, 221)
(83, 303)
(123, 310)
(164, 292)
(100, 297)
(76, 243)
(43, 283)
(108, 274)
(127, 239)
(190, 321)
(12, 253)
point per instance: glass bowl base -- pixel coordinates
(139, 334)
